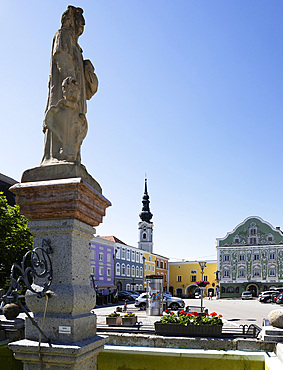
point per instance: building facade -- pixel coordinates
(162, 268)
(250, 258)
(102, 269)
(183, 277)
(5, 183)
(149, 265)
(129, 265)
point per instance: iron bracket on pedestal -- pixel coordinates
(35, 264)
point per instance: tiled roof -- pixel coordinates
(112, 238)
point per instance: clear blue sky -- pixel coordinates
(190, 92)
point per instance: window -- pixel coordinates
(149, 267)
(271, 272)
(179, 278)
(133, 256)
(118, 268)
(92, 255)
(137, 257)
(241, 273)
(193, 278)
(92, 270)
(165, 278)
(157, 263)
(128, 287)
(149, 258)
(141, 272)
(118, 253)
(100, 271)
(128, 270)
(141, 258)
(236, 240)
(137, 271)
(108, 257)
(226, 257)
(145, 267)
(123, 269)
(141, 287)
(165, 265)
(128, 255)
(100, 258)
(108, 271)
(253, 241)
(230, 289)
(241, 257)
(205, 277)
(133, 271)
(123, 254)
(193, 272)
(144, 235)
(256, 257)
(270, 238)
(253, 231)
(256, 272)
(152, 268)
(272, 256)
(161, 264)
(226, 273)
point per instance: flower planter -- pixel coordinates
(129, 321)
(113, 321)
(190, 330)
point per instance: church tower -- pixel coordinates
(145, 225)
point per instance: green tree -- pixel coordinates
(15, 238)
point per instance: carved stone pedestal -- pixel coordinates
(78, 356)
(62, 212)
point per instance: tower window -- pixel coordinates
(144, 235)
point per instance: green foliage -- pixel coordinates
(192, 318)
(15, 238)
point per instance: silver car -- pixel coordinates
(173, 303)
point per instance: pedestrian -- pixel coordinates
(210, 295)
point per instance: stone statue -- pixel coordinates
(72, 81)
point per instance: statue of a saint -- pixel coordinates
(72, 81)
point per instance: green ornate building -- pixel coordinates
(250, 258)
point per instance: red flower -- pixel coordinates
(182, 311)
(220, 316)
(213, 314)
(188, 314)
(167, 311)
(194, 313)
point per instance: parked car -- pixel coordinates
(123, 295)
(173, 303)
(247, 295)
(279, 299)
(267, 298)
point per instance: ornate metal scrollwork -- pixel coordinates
(35, 264)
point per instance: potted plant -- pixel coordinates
(202, 283)
(129, 319)
(189, 324)
(113, 319)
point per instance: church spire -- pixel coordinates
(145, 214)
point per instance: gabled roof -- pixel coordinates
(112, 238)
(240, 235)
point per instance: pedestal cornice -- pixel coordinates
(62, 198)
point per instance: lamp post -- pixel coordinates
(202, 266)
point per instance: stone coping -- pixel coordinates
(145, 340)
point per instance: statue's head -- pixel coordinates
(70, 89)
(73, 19)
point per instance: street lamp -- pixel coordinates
(202, 266)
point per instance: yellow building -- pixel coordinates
(183, 277)
(149, 265)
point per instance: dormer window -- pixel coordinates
(236, 239)
(270, 238)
